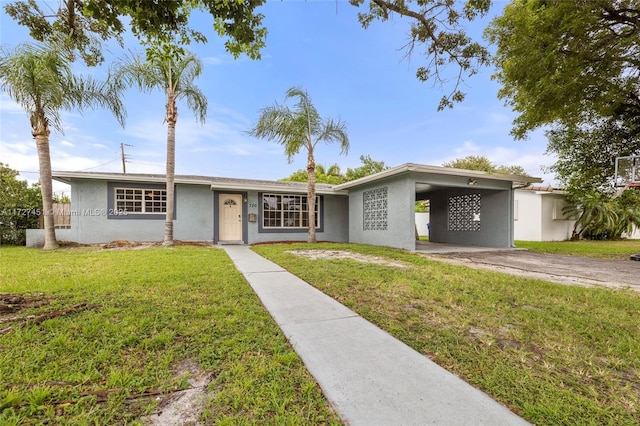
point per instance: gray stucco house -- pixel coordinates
(467, 207)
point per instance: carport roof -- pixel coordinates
(516, 180)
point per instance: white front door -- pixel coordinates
(230, 217)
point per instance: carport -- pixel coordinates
(466, 207)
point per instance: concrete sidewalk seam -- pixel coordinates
(319, 321)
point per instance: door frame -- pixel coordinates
(216, 214)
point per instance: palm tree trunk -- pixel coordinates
(311, 195)
(172, 118)
(44, 158)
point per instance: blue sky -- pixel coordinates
(357, 75)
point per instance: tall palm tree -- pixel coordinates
(39, 78)
(173, 71)
(297, 128)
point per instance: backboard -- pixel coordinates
(627, 171)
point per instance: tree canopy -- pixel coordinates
(81, 25)
(574, 67)
(369, 167)
(20, 206)
(568, 62)
(334, 176)
(483, 164)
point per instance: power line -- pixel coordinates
(99, 165)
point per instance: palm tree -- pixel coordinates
(39, 78)
(173, 71)
(297, 128)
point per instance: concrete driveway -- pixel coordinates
(551, 267)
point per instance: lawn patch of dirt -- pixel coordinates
(140, 245)
(341, 254)
(11, 304)
(183, 407)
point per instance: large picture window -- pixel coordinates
(284, 211)
(140, 200)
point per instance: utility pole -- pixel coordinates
(124, 157)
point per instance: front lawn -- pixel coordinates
(554, 354)
(104, 333)
(620, 249)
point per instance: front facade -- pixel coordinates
(114, 206)
(467, 207)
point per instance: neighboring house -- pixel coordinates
(422, 224)
(538, 214)
(466, 207)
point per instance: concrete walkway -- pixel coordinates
(369, 377)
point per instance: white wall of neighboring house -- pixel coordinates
(422, 220)
(538, 215)
(635, 235)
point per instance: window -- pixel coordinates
(558, 209)
(287, 211)
(140, 200)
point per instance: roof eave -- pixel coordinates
(420, 168)
(66, 177)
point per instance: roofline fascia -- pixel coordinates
(66, 177)
(410, 167)
(273, 188)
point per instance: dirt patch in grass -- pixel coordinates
(11, 304)
(140, 245)
(341, 254)
(183, 407)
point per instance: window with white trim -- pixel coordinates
(558, 212)
(140, 200)
(285, 211)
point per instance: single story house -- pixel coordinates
(466, 207)
(538, 214)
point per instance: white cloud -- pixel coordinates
(212, 60)
(468, 148)
(66, 143)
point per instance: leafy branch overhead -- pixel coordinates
(436, 30)
(82, 25)
(572, 63)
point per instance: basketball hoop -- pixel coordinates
(627, 172)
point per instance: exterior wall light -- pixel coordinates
(472, 181)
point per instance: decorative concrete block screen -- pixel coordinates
(464, 212)
(375, 209)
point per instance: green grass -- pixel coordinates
(620, 249)
(148, 311)
(554, 354)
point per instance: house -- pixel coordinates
(538, 214)
(466, 207)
